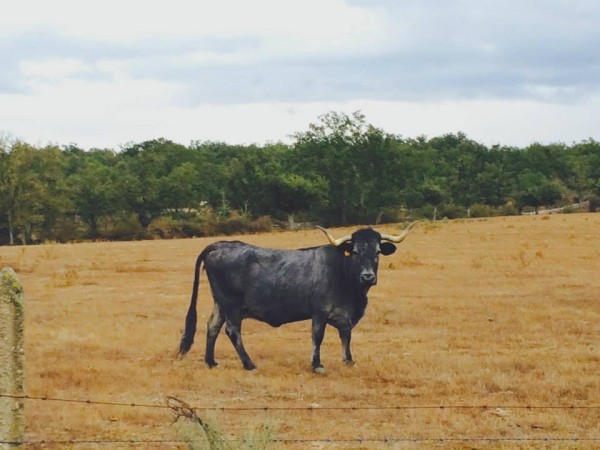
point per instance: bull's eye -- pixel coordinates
(347, 253)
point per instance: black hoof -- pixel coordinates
(249, 366)
(211, 364)
(350, 363)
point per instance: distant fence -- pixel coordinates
(572, 207)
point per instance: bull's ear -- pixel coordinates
(387, 248)
(347, 248)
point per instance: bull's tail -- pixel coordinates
(191, 319)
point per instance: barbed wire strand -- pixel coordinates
(304, 440)
(89, 402)
(299, 408)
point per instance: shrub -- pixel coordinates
(393, 215)
(123, 229)
(452, 211)
(594, 204)
(169, 228)
(480, 210)
(263, 224)
(236, 223)
(508, 210)
(67, 229)
(425, 212)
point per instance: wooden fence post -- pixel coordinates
(12, 426)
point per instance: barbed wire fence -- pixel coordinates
(182, 410)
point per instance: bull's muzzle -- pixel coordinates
(368, 279)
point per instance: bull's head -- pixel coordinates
(362, 249)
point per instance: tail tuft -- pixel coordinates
(187, 338)
(185, 344)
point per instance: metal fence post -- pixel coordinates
(12, 426)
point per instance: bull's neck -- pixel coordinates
(360, 301)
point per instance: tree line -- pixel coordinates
(340, 171)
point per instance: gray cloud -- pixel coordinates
(547, 51)
(447, 49)
(47, 44)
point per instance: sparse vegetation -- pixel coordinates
(497, 312)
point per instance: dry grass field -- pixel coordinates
(501, 312)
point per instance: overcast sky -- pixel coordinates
(105, 73)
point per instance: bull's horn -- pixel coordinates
(400, 238)
(335, 242)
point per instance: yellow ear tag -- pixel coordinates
(347, 253)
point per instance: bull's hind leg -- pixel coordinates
(318, 333)
(234, 331)
(214, 325)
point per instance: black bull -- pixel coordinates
(327, 284)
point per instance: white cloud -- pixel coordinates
(113, 113)
(289, 26)
(53, 106)
(491, 122)
(54, 69)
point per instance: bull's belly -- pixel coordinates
(276, 316)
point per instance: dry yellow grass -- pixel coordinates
(502, 311)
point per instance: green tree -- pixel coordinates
(254, 179)
(434, 194)
(328, 150)
(96, 193)
(459, 161)
(382, 172)
(535, 190)
(56, 204)
(32, 190)
(419, 163)
(492, 184)
(210, 162)
(359, 163)
(295, 194)
(584, 162)
(143, 168)
(549, 160)
(180, 187)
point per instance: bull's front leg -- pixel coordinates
(345, 337)
(318, 333)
